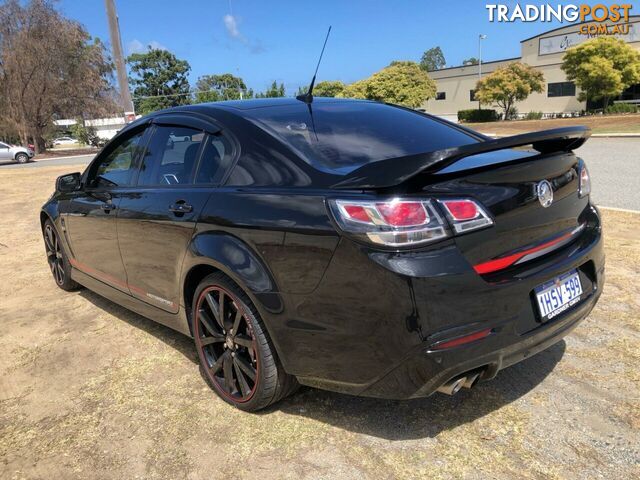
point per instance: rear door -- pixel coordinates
(156, 220)
(4, 152)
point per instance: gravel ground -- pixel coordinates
(89, 390)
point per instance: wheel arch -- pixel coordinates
(48, 212)
(211, 252)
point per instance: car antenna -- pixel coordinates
(308, 97)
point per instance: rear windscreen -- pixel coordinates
(342, 136)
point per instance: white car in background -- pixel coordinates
(64, 141)
(13, 153)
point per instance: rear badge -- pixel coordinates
(545, 193)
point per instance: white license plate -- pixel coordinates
(558, 295)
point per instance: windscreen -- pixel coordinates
(342, 136)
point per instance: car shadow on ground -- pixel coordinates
(426, 417)
(387, 419)
(177, 340)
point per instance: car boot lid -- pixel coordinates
(395, 171)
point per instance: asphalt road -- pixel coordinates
(614, 164)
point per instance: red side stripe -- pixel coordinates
(504, 262)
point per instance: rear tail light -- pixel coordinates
(585, 182)
(404, 222)
(466, 215)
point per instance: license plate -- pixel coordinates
(558, 295)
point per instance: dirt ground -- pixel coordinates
(598, 124)
(89, 390)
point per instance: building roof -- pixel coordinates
(471, 65)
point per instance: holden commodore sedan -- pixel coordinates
(347, 245)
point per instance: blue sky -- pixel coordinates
(266, 40)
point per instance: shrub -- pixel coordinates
(477, 115)
(533, 116)
(512, 114)
(622, 108)
(85, 134)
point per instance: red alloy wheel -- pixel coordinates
(226, 344)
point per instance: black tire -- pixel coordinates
(22, 158)
(224, 353)
(57, 258)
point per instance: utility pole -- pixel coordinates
(480, 38)
(118, 58)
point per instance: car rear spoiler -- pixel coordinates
(394, 171)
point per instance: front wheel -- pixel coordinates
(236, 355)
(22, 158)
(57, 259)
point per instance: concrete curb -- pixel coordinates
(593, 135)
(616, 135)
(65, 158)
(615, 209)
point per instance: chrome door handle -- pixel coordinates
(107, 207)
(181, 207)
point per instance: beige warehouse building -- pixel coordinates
(456, 85)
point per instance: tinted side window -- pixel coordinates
(171, 156)
(216, 157)
(116, 169)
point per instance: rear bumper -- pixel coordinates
(426, 370)
(369, 327)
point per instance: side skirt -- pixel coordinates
(177, 321)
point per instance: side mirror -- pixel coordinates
(68, 183)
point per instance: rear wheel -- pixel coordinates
(236, 355)
(22, 158)
(57, 259)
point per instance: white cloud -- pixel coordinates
(136, 46)
(232, 24)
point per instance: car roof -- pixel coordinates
(243, 108)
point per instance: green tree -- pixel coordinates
(329, 88)
(159, 80)
(326, 88)
(273, 91)
(602, 68)
(214, 88)
(470, 61)
(432, 59)
(356, 89)
(402, 83)
(508, 85)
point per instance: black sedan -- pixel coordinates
(348, 245)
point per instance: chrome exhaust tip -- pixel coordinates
(471, 380)
(452, 386)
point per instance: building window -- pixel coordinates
(441, 95)
(561, 89)
(472, 96)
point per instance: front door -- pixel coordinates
(156, 220)
(90, 215)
